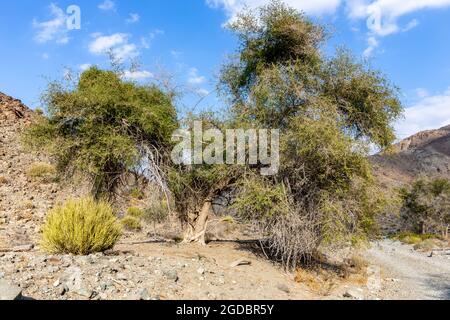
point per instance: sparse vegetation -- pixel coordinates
(131, 223)
(43, 172)
(135, 212)
(80, 227)
(426, 207)
(413, 238)
(137, 193)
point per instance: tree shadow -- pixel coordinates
(439, 284)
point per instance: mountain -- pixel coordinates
(425, 154)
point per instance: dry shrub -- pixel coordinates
(322, 277)
(357, 264)
(80, 227)
(40, 171)
(292, 239)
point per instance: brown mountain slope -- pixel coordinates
(23, 201)
(426, 154)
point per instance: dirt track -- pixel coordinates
(410, 274)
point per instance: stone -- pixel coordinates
(84, 292)
(63, 290)
(143, 295)
(354, 293)
(23, 248)
(283, 287)
(9, 292)
(72, 278)
(240, 262)
(201, 271)
(171, 275)
(121, 276)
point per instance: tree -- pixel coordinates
(194, 187)
(328, 109)
(426, 206)
(104, 127)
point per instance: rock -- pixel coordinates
(72, 278)
(284, 288)
(201, 271)
(143, 295)
(2, 275)
(23, 248)
(84, 292)
(9, 292)
(63, 290)
(354, 293)
(121, 276)
(240, 262)
(171, 275)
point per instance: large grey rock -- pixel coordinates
(9, 292)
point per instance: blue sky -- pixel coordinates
(409, 40)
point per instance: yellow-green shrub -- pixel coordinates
(413, 238)
(131, 223)
(80, 227)
(41, 171)
(135, 212)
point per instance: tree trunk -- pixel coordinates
(197, 229)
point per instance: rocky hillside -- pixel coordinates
(424, 154)
(23, 200)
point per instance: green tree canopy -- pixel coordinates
(328, 109)
(426, 206)
(103, 126)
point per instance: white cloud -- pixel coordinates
(84, 66)
(195, 78)
(126, 51)
(104, 43)
(107, 5)
(117, 43)
(54, 29)
(134, 17)
(45, 56)
(373, 44)
(382, 15)
(314, 7)
(430, 112)
(203, 92)
(137, 75)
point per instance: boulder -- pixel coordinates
(9, 292)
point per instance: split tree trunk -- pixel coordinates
(197, 229)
